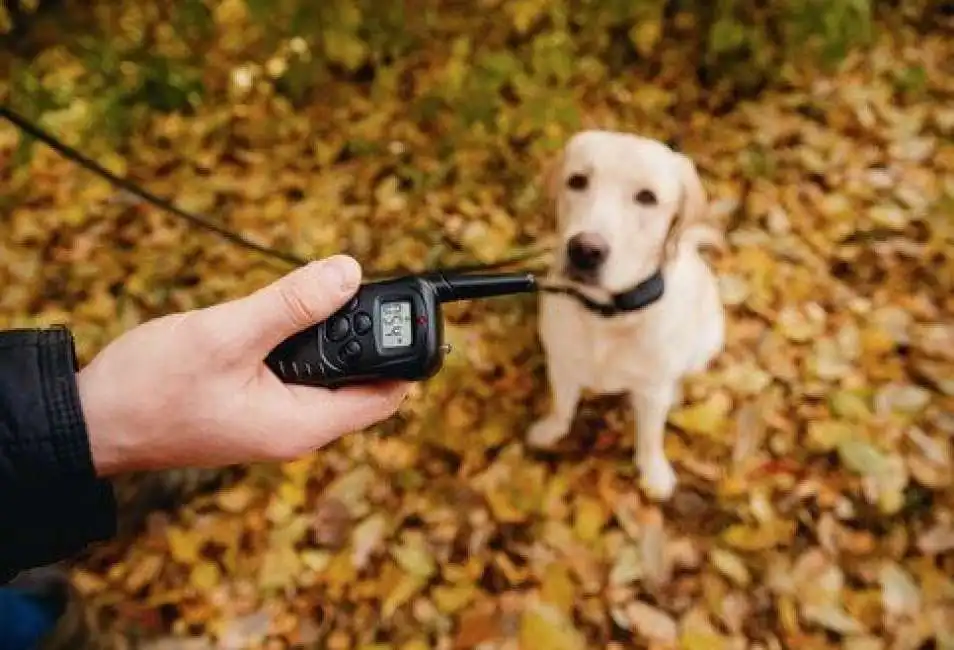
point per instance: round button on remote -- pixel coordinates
(350, 351)
(337, 328)
(362, 323)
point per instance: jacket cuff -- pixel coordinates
(71, 456)
(54, 504)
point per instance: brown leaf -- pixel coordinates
(331, 524)
(478, 625)
(144, 572)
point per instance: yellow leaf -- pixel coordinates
(557, 587)
(731, 566)
(299, 470)
(280, 568)
(317, 561)
(205, 576)
(544, 626)
(788, 614)
(415, 644)
(415, 558)
(340, 572)
(706, 418)
(645, 36)
(183, 545)
(344, 48)
(451, 599)
(590, 518)
(826, 435)
(766, 536)
(292, 493)
(523, 13)
(701, 641)
(406, 588)
(850, 405)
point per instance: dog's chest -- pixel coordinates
(615, 354)
(611, 353)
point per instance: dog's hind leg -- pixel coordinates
(652, 405)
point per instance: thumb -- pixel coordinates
(302, 298)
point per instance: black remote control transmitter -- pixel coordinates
(390, 330)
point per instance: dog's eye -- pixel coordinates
(577, 182)
(645, 197)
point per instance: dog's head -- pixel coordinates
(622, 202)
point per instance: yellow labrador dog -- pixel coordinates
(641, 307)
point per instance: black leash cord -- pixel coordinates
(72, 154)
(69, 152)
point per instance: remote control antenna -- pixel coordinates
(465, 287)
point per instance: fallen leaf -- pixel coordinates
(183, 545)
(235, 498)
(544, 626)
(627, 567)
(144, 572)
(589, 518)
(205, 576)
(452, 599)
(901, 398)
(331, 524)
(414, 557)
(651, 623)
(900, 595)
(832, 618)
(557, 588)
(708, 418)
(731, 566)
(826, 435)
(408, 586)
(367, 538)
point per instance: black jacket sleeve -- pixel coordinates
(52, 504)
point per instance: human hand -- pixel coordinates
(192, 389)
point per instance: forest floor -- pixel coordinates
(815, 507)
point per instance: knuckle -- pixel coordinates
(296, 307)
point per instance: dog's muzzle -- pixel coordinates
(586, 252)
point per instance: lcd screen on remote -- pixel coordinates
(396, 324)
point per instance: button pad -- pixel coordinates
(350, 351)
(362, 323)
(337, 328)
(349, 333)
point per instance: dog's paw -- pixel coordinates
(545, 433)
(658, 480)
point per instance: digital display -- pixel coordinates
(396, 324)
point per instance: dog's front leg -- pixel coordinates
(652, 405)
(565, 392)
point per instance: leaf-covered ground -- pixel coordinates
(816, 505)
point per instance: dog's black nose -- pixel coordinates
(587, 251)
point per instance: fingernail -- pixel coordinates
(346, 270)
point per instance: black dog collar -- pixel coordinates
(642, 295)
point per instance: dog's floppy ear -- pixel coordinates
(549, 182)
(551, 177)
(693, 205)
(694, 198)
